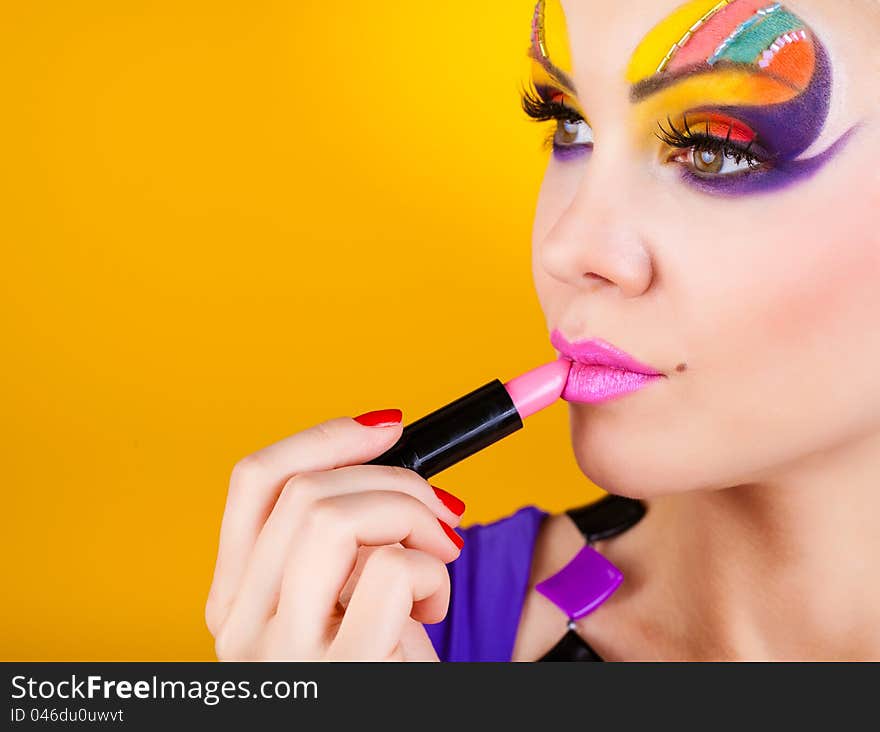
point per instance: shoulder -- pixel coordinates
(489, 581)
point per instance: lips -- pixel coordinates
(600, 371)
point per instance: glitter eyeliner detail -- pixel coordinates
(687, 36)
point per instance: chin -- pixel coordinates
(634, 457)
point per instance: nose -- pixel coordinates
(596, 242)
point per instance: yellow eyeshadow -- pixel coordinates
(555, 35)
(552, 90)
(739, 87)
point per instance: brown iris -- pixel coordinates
(708, 161)
(566, 132)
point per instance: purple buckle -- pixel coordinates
(583, 584)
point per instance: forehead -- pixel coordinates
(641, 38)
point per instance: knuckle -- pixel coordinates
(224, 646)
(244, 471)
(412, 481)
(298, 490)
(326, 518)
(405, 483)
(387, 561)
(406, 476)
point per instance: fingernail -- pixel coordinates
(453, 503)
(380, 418)
(456, 539)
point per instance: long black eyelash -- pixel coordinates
(540, 109)
(703, 141)
(543, 110)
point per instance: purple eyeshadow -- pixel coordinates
(782, 174)
(565, 154)
(785, 130)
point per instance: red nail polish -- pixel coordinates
(456, 539)
(380, 418)
(453, 503)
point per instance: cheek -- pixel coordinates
(773, 302)
(789, 339)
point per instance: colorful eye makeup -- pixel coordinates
(753, 62)
(714, 145)
(554, 94)
(735, 90)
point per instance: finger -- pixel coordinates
(257, 596)
(299, 496)
(324, 552)
(395, 586)
(257, 480)
(415, 644)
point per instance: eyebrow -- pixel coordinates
(538, 52)
(657, 83)
(749, 33)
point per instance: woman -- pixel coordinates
(710, 209)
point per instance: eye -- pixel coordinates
(570, 133)
(716, 150)
(714, 162)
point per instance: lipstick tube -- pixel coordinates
(471, 423)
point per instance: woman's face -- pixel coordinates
(737, 250)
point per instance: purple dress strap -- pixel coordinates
(489, 581)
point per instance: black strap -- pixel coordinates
(607, 517)
(571, 647)
(602, 519)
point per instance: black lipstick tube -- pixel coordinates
(443, 438)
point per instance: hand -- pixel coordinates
(322, 557)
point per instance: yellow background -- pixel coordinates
(223, 222)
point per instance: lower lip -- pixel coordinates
(591, 384)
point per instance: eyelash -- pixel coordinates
(704, 142)
(543, 110)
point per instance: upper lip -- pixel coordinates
(597, 352)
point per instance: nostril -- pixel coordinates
(594, 276)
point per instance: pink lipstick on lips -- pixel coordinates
(475, 421)
(600, 371)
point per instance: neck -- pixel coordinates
(784, 568)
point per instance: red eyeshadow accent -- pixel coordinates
(719, 125)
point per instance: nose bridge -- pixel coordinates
(598, 236)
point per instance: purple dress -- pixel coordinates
(489, 583)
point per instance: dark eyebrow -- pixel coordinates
(555, 73)
(656, 83)
(538, 52)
